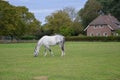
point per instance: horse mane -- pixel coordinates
(58, 35)
(54, 35)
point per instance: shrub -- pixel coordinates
(95, 38)
(28, 37)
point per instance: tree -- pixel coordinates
(111, 6)
(16, 21)
(89, 12)
(66, 22)
(76, 27)
(71, 12)
(57, 20)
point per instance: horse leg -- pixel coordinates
(45, 51)
(62, 49)
(50, 50)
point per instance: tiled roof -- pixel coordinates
(106, 20)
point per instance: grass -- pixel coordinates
(83, 61)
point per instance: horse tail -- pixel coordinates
(63, 41)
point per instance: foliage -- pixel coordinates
(71, 12)
(77, 28)
(83, 61)
(58, 19)
(66, 31)
(111, 6)
(118, 31)
(89, 12)
(28, 37)
(16, 21)
(93, 8)
(64, 21)
(93, 38)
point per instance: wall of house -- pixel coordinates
(99, 30)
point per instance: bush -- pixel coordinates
(28, 37)
(95, 38)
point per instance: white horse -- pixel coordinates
(48, 41)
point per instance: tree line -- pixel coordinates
(17, 21)
(93, 8)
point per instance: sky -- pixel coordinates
(43, 8)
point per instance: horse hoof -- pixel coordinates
(35, 56)
(52, 55)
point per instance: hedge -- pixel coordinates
(28, 37)
(95, 38)
(82, 38)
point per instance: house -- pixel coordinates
(103, 25)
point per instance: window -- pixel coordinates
(101, 26)
(118, 24)
(91, 34)
(117, 34)
(105, 34)
(98, 34)
(95, 26)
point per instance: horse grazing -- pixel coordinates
(48, 41)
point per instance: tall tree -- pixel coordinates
(56, 21)
(111, 6)
(16, 21)
(89, 12)
(76, 26)
(71, 12)
(66, 22)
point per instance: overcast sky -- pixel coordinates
(43, 8)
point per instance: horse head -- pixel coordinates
(35, 53)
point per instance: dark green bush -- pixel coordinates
(95, 38)
(28, 37)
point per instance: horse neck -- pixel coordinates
(39, 44)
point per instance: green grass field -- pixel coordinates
(83, 61)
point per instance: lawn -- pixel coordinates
(83, 61)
